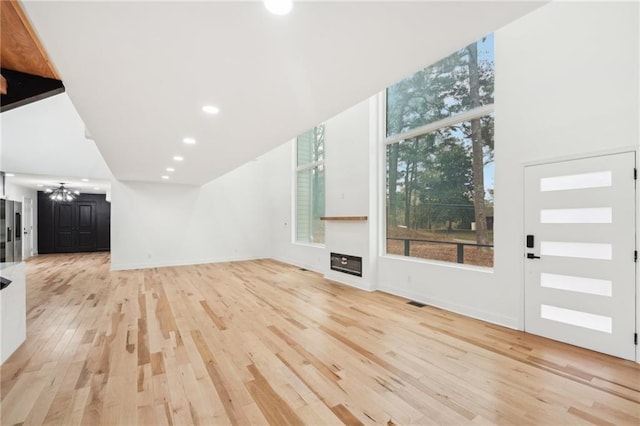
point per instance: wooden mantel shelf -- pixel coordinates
(352, 218)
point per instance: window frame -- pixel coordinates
(297, 170)
(475, 113)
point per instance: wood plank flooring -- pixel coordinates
(262, 342)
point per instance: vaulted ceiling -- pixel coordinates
(139, 72)
(26, 74)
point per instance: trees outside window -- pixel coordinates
(440, 151)
(310, 187)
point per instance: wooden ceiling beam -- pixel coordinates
(21, 49)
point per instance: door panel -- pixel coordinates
(64, 241)
(581, 288)
(75, 226)
(86, 226)
(63, 229)
(85, 215)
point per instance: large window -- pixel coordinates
(440, 159)
(310, 191)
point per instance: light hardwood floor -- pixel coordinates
(262, 342)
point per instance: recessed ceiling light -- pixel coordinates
(278, 7)
(85, 180)
(165, 177)
(9, 174)
(171, 169)
(210, 109)
(189, 141)
(178, 158)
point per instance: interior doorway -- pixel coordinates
(27, 231)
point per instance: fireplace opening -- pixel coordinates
(347, 264)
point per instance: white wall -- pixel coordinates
(164, 224)
(13, 310)
(48, 138)
(580, 66)
(19, 193)
(347, 166)
(566, 85)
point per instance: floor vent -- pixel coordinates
(416, 304)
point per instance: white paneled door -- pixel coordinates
(579, 252)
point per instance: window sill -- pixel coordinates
(466, 267)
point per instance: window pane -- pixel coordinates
(310, 205)
(311, 146)
(460, 82)
(432, 211)
(582, 181)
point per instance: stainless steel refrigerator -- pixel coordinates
(10, 231)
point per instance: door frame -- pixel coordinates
(569, 157)
(27, 254)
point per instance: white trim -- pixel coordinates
(445, 122)
(348, 280)
(581, 156)
(441, 263)
(382, 176)
(466, 310)
(294, 193)
(308, 166)
(308, 244)
(148, 265)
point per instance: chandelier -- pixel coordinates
(62, 194)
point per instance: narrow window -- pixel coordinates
(310, 188)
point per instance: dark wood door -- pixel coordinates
(74, 227)
(86, 226)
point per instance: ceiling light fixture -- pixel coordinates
(171, 169)
(210, 109)
(165, 177)
(62, 194)
(9, 174)
(85, 180)
(278, 7)
(178, 158)
(189, 141)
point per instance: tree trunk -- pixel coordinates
(407, 196)
(414, 174)
(477, 144)
(393, 183)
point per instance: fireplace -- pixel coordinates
(346, 263)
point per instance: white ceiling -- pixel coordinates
(48, 138)
(74, 183)
(44, 144)
(139, 72)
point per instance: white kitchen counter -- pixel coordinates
(13, 309)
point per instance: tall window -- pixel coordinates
(310, 190)
(440, 159)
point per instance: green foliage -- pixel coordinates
(310, 187)
(431, 177)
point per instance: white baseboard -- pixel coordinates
(148, 265)
(465, 310)
(350, 280)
